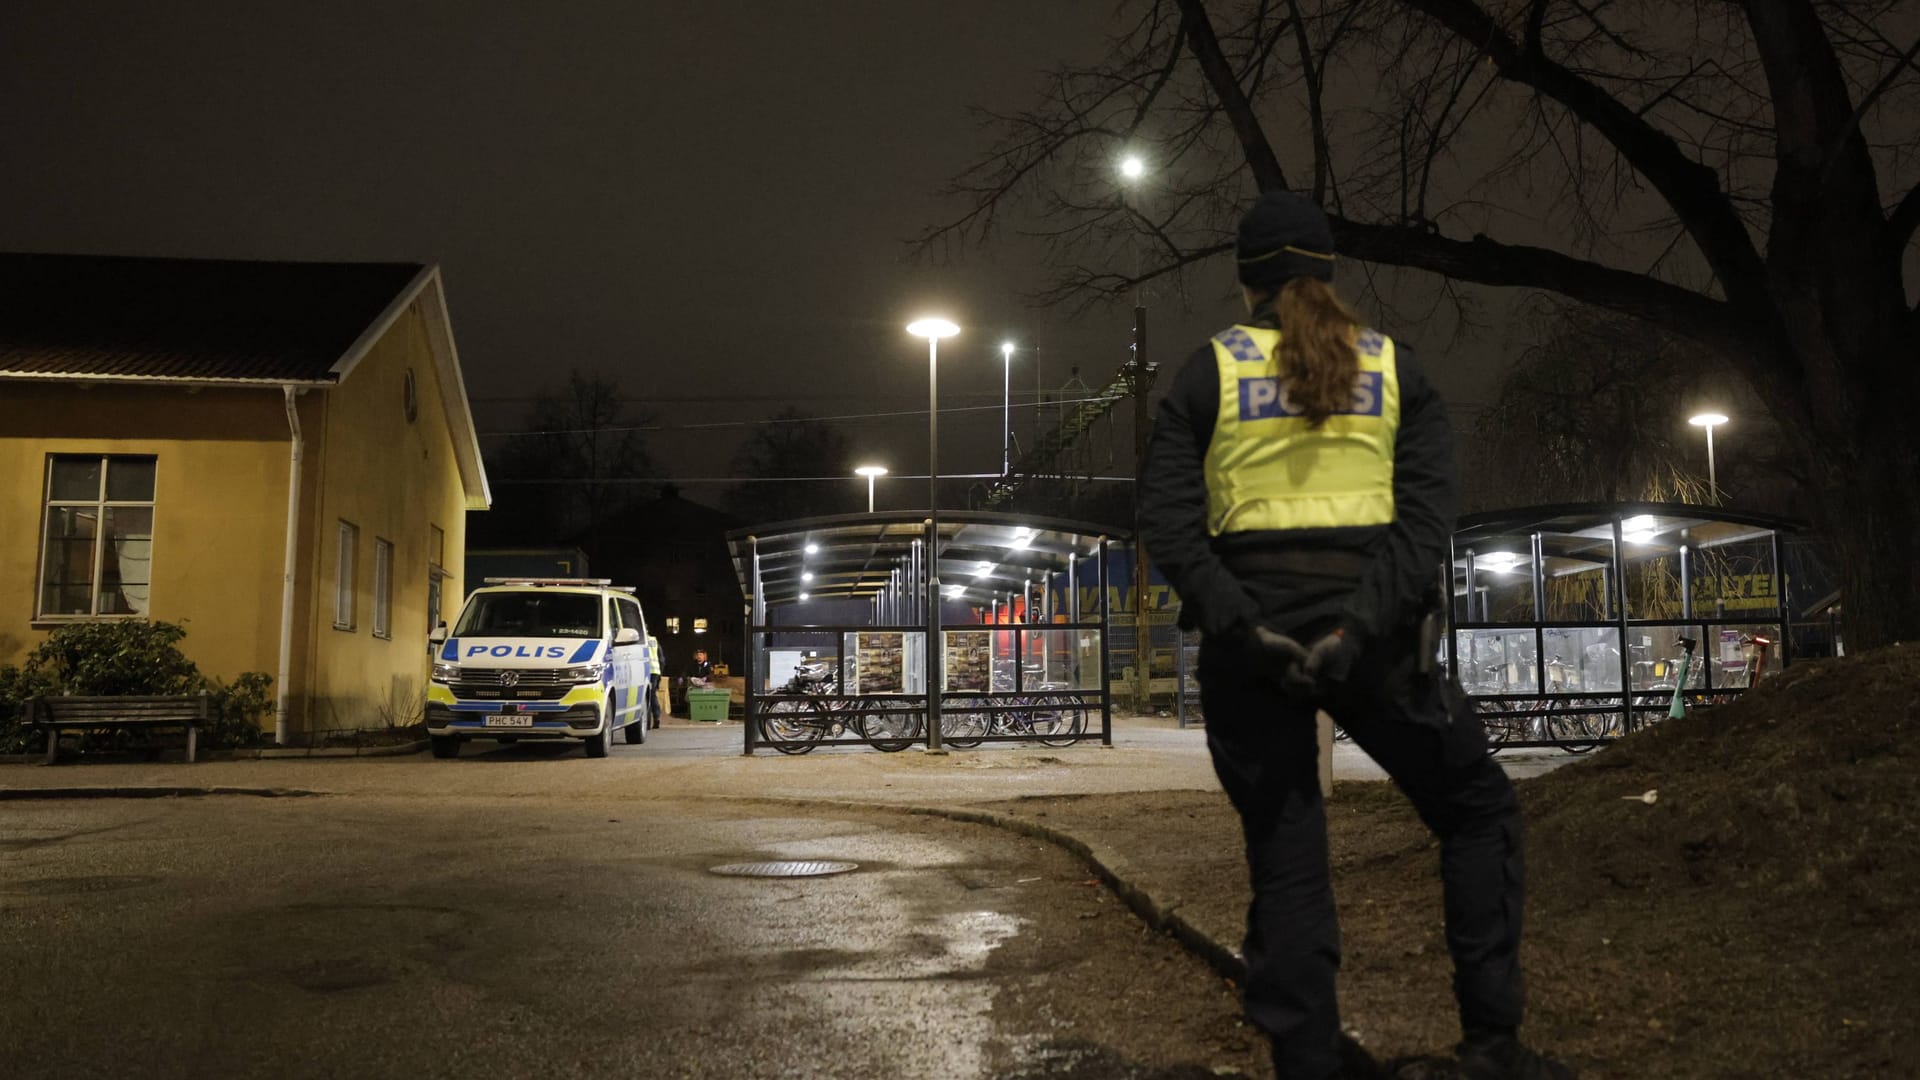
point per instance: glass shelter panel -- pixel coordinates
(1582, 660)
(1501, 580)
(1656, 652)
(1743, 654)
(1497, 661)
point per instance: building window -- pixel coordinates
(347, 545)
(97, 551)
(699, 626)
(673, 624)
(436, 546)
(382, 588)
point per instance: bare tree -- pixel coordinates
(799, 450)
(1592, 412)
(1739, 174)
(587, 440)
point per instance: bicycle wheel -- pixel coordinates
(964, 729)
(1059, 721)
(891, 732)
(791, 727)
(1500, 729)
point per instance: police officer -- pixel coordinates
(1299, 494)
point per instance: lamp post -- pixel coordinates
(1006, 409)
(1710, 420)
(870, 472)
(1140, 380)
(933, 330)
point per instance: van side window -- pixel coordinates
(630, 616)
(614, 624)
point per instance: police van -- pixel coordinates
(542, 658)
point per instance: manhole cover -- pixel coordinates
(796, 868)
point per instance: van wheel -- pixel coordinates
(446, 746)
(636, 732)
(597, 744)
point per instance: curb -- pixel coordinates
(397, 750)
(1106, 865)
(23, 794)
(267, 754)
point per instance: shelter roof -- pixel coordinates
(1577, 537)
(854, 555)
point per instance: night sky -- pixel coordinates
(708, 201)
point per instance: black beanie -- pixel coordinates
(1284, 237)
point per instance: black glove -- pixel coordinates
(1331, 658)
(1286, 658)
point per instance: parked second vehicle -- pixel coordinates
(542, 658)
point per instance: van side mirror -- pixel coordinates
(438, 634)
(626, 635)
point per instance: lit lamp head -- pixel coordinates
(1006, 349)
(1708, 420)
(933, 329)
(1132, 167)
(870, 470)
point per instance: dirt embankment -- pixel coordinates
(1755, 919)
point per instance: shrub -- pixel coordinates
(127, 657)
(118, 657)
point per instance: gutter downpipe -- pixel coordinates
(285, 670)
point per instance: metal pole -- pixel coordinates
(1106, 657)
(1620, 590)
(1713, 479)
(1142, 621)
(870, 479)
(1006, 413)
(934, 665)
(755, 618)
(1784, 605)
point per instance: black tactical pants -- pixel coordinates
(1265, 752)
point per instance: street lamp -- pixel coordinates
(933, 330)
(1710, 420)
(870, 472)
(1132, 167)
(1006, 409)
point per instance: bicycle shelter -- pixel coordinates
(1565, 622)
(1022, 647)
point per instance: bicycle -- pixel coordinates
(796, 724)
(1059, 719)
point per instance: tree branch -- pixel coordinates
(1205, 45)
(1489, 262)
(1689, 187)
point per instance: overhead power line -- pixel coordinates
(499, 481)
(773, 420)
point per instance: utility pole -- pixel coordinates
(1139, 383)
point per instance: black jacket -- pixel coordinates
(1400, 561)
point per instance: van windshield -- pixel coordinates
(531, 614)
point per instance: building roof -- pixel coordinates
(219, 322)
(114, 317)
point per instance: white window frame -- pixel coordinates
(346, 542)
(101, 504)
(382, 588)
(673, 624)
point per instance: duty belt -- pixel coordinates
(1308, 562)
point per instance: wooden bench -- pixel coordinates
(66, 713)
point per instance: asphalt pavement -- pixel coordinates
(368, 936)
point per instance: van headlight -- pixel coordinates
(585, 673)
(445, 671)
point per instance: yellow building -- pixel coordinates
(277, 456)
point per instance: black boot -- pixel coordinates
(1500, 1056)
(1355, 1063)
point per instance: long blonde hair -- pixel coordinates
(1318, 359)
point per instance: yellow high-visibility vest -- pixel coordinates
(1268, 469)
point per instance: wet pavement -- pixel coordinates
(705, 759)
(368, 936)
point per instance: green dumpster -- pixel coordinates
(709, 705)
